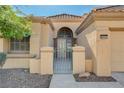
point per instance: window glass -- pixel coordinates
(19, 45)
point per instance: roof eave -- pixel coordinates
(97, 16)
(42, 20)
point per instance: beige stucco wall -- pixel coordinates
(50, 36)
(83, 41)
(88, 65)
(104, 53)
(4, 45)
(97, 49)
(87, 38)
(78, 59)
(13, 60)
(46, 61)
(110, 23)
(35, 39)
(103, 50)
(44, 65)
(117, 40)
(34, 65)
(92, 42)
(16, 63)
(42, 36)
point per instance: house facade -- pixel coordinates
(68, 43)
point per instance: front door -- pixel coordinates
(63, 55)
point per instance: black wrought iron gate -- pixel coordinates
(63, 55)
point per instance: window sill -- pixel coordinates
(18, 52)
(18, 55)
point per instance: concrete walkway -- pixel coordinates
(119, 77)
(68, 81)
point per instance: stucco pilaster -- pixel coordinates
(3, 45)
(78, 59)
(35, 39)
(46, 62)
(103, 52)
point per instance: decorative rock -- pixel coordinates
(26, 71)
(85, 74)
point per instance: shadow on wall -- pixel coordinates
(84, 41)
(91, 40)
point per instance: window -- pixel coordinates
(19, 45)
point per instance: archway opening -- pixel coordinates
(65, 32)
(63, 51)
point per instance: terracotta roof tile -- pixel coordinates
(115, 8)
(64, 16)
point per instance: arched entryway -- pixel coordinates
(63, 51)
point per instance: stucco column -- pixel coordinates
(3, 45)
(47, 60)
(34, 65)
(78, 59)
(35, 45)
(103, 52)
(35, 39)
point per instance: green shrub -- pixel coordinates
(2, 58)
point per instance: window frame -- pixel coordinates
(20, 50)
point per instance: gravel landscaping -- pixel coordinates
(21, 78)
(93, 78)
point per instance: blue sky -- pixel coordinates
(48, 10)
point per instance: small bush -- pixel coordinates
(2, 58)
